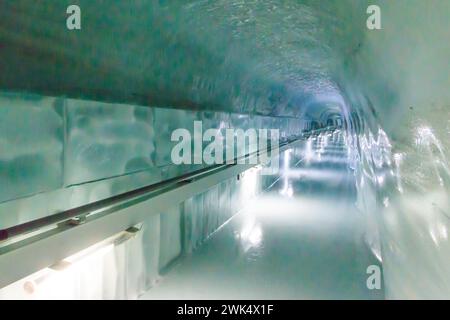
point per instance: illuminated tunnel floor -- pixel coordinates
(300, 240)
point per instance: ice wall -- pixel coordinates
(58, 153)
(398, 84)
(125, 267)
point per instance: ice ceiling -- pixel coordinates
(265, 57)
(297, 58)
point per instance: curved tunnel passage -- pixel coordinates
(88, 114)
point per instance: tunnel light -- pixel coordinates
(251, 234)
(59, 277)
(250, 182)
(309, 154)
(255, 236)
(287, 187)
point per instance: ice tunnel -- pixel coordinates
(224, 149)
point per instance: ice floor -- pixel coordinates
(302, 239)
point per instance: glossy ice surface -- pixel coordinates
(302, 239)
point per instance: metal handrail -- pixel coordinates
(67, 215)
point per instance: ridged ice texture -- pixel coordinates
(59, 153)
